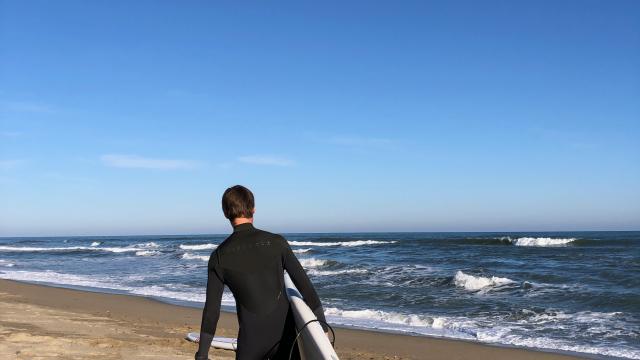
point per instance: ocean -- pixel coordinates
(569, 291)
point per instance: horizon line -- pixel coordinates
(324, 232)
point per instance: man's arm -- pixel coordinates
(302, 282)
(211, 312)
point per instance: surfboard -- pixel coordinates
(313, 343)
(218, 341)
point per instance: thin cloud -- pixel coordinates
(139, 162)
(266, 160)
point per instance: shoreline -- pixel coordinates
(159, 327)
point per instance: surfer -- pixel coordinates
(251, 263)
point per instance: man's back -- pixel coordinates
(251, 263)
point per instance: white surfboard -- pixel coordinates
(313, 343)
(218, 341)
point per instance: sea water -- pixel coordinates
(576, 292)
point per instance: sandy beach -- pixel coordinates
(42, 322)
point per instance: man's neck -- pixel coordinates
(238, 221)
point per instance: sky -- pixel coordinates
(133, 117)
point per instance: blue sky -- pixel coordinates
(133, 117)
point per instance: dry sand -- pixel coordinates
(42, 322)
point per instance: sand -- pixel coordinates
(43, 322)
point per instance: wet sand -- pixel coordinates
(43, 322)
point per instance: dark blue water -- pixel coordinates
(560, 291)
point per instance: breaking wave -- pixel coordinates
(136, 247)
(147, 253)
(316, 272)
(188, 256)
(475, 283)
(540, 241)
(340, 243)
(198, 246)
(311, 262)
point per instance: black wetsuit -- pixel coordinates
(251, 263)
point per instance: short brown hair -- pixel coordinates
(237, 202)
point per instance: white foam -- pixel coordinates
(301, 251)
(316, 272)
(377, 319)
(504, 337)
(311, 262)
(148, 245)
(188, 256)
(540, 241)
(474, 283)
(184, 294)
(6, 263)
(147, 253)
(96, 243)
(340, 243)
(198, 247)
(53, 277)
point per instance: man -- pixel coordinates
(251, 263)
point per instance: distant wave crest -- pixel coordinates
(340, 243)
(541, 241)
(198, 246)
(316, 272)
(147, 253)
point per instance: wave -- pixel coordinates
(316, 272)
(475, 283)
(529, 241)
(311, 262)
(53, 277)
(150, 244)
(6, 263)
(181, 293)
(68, 248)
(162, 291)
(147, 253)
(541, 241)
(96, 243)
(301, 251)
(188, 256)
(136, 247)
(491, 329)
(388, 320)
(340, 243)
(198, 246)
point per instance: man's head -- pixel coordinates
(237, 202)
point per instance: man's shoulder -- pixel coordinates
(271, 236)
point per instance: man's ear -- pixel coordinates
(253, 211)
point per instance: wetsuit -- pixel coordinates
(251, 263)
